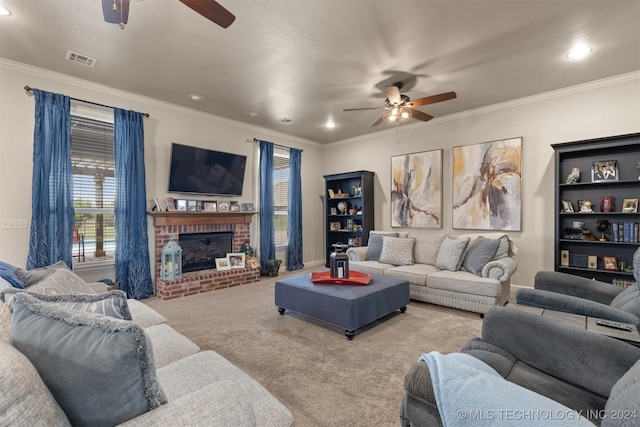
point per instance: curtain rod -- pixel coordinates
(277, 145)
(30, 89)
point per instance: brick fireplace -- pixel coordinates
(167, 224)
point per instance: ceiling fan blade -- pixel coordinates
(118, 16)
(211, 10)
(416, 114)
(364, 108)
(377, 122)
(433, 99)
(393, 95)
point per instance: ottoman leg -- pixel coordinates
(349, 334)
(403, 309)
(281, 310)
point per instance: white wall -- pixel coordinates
(167, 123)
(598, 109)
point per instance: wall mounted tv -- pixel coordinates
(201, 171)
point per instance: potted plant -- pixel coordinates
(273, 265)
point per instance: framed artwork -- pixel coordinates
(567, 206)
(222, 264)
(236, 260)
(181, 205)
(210, 206)
(610, 263)
(630, 205)
(171, 204)
(223, 206)
(234, 207)
(334, 226)
(487, 185)
(192, 205)
(606, 170)
(333, 210)
(247, 207)
(416, 190)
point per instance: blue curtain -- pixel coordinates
(294, 230)
(52, 213)
(133, 270)
(267, 230)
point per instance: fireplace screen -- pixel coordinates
(200, 250)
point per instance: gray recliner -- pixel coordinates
(579, 295)
(586, 372)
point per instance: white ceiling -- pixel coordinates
(306, 60)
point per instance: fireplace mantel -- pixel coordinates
(163, 219)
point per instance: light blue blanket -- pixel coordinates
(469, 392)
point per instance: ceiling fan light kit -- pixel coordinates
(400, 108)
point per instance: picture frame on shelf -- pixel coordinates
(223, 264)
(192, 205)
(592, 263)
(210, 206)
(223, 206)
(236, 259)
(234, 207)
(585, 206)
(333, 211)
(181, 205)
(247, 207)
(630, 205)
(171, 204)
(610, 263)
(334, 225)
(567, 206)
(604, 170)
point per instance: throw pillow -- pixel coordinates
(397, 251)
(7, 272)
(100, 370)
(31, 277)
(25, 400)
(450, 253)
(113, 303)
(481, 252)
(62, 281)
(374, 248)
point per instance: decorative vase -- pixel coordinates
(606, 204)
(273, 265)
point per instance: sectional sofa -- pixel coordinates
(470, 272)
(76, 354)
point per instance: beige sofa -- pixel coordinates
(177, 383)
(441, 269)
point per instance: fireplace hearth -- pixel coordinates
(200, 250)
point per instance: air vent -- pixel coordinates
(285, 121)
(78, 58)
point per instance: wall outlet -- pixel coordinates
(13, 223)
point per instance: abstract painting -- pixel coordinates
(416, 190)
(487, 185)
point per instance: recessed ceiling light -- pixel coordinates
(4, 11)
(285, 121)
(330, 124)
(195, 97)
(579, 52)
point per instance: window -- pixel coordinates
(94, 188)
(281, 194)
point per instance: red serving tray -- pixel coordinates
(355, 278)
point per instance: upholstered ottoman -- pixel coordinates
(346, 306)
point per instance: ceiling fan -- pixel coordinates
(117, 11)
(400, 107)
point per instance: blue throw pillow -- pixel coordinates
(480, 253)
(7, 272)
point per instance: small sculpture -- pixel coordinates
(586, 206)
(574, 176)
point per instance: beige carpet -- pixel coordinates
(323, 378)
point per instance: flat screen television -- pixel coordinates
(208, 172)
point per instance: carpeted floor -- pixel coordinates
(323, 378)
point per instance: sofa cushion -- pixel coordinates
(369, 267)
(505, 249)
(451, 252)
(397, 251)
(112, 303)
(375, 243)
(62, 281)
(169, 345)
(415, 274)
(25, 399)
(481, 252)
(100, 370)
(465, 283)
(144, 315)
(5, 322)
(623, 399)
(7, 272)
(628, 300)
(426, 248)
(33, 276)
